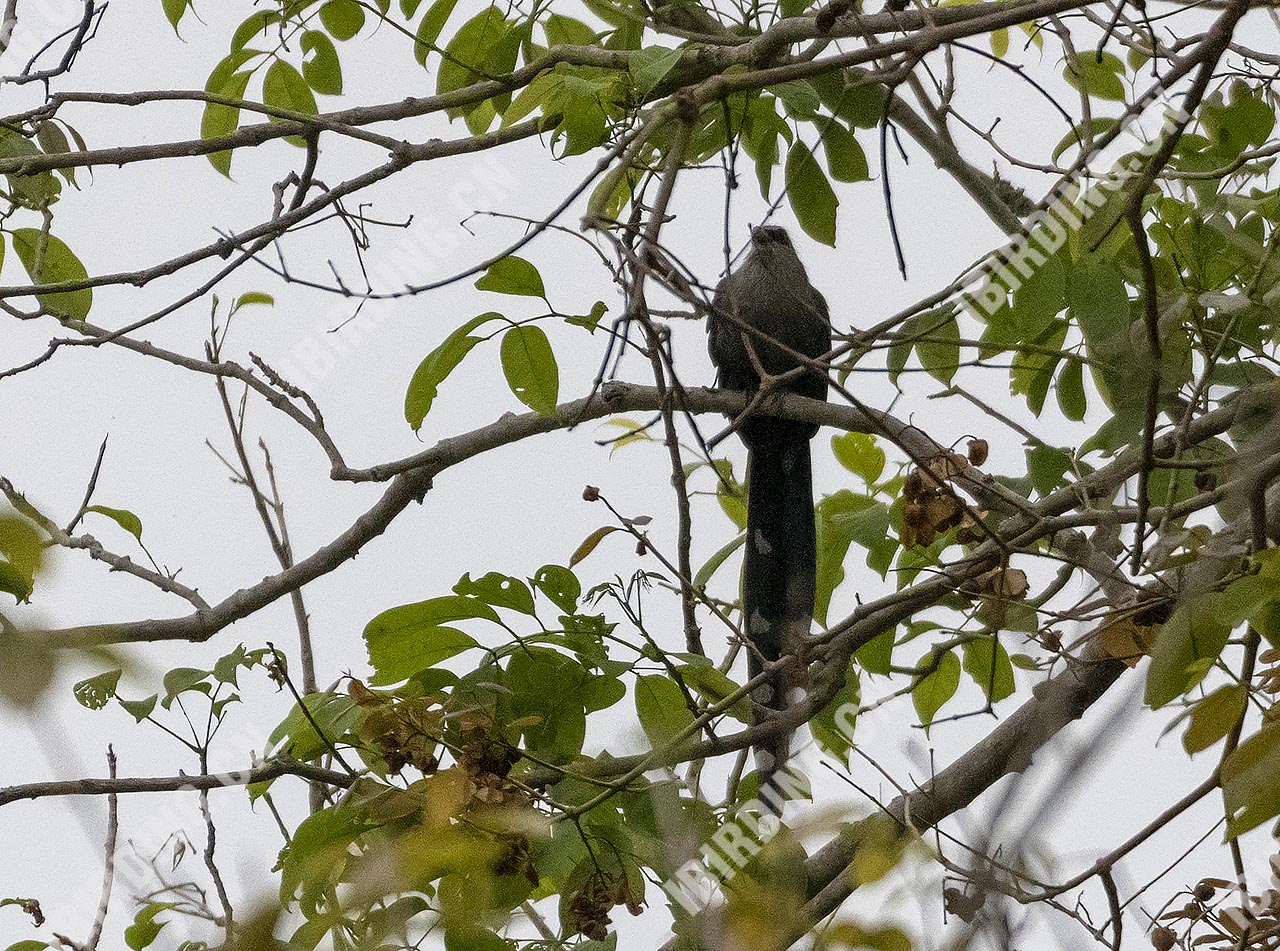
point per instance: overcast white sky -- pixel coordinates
(513, 511)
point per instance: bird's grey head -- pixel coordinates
(771, 248)
(770, 237)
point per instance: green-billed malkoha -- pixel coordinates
(766, 316)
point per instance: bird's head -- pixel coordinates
(771, 247)
(766, 237)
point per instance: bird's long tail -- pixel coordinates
(779, 571)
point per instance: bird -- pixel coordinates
(767, 317)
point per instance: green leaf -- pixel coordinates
(940, 356)
(252, 26)
(833, 727)
(253, 297)
(227, 667)
(512, 275)
(21, 554)
(1099, 79)
(479, 50)
(1000, 43)
(530, 368)
(139, 709)
(842, 518)
(712, 564)
(323, 71)
(649, 66)
(29, 945)
(424, 41)
(560, 586)
(845, 158)
(811, 196)
(145, 929)
(1047, 465)
(715, 685)
(173, 12)
(798, 98)
(850, 935)
(761, 129)
(94, 692)
(1249, 786)
(546, 690)
(591, 320)
(876, 655)
(987, 662)
(437, 365)
(502, 591)
(661, 708)
(182, 680)
(1185, 648)
(334, 713)
(125, 519)
(932, 691)
(218, 120)
(859, 453)
(412, 637)
(342, 18)
(59, 264)
(562, 30)
(1214, 716)
(53, 141)
(1071, 398)
(1094, 129)
(602, 692)
(284, 88)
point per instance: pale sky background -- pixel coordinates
(512, 511)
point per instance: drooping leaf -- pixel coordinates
(1249, 787)
(933, 690)
(219, 120)
(57, 265)
(284, 87)
(590, 542)
(21, 555)
(437, 365)
(1070, 388)
(811, 196)
(1213, 717)
(321, 67)
(173, 12)
(987, 662)
(661, 708)
(342, 18)
(845, 157)
(1186, 647)
(530, 368)
(433, 22)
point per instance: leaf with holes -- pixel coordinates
(530, 368)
